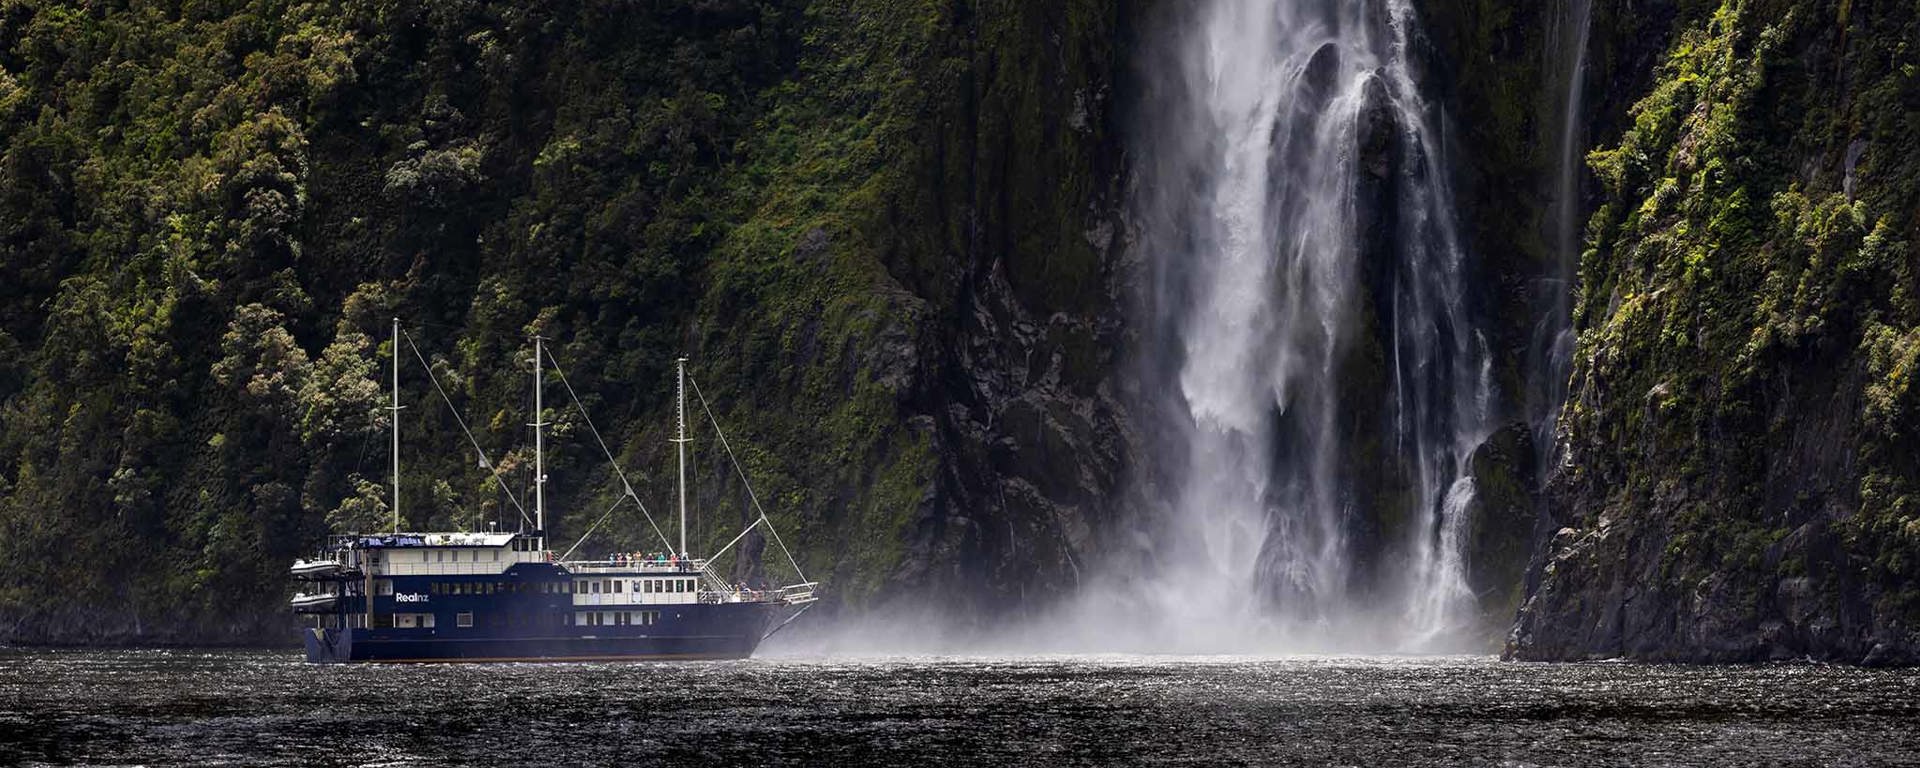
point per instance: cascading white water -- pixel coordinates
(1306, 325)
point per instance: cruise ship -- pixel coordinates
(497, 596)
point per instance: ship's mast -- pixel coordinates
(539, 451)
(680, 445)
(395, 408)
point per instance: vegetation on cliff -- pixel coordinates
(1742, 477)
(209, 211)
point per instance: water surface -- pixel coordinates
(259, 708)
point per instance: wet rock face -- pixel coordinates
(1603, 593)
(1013, 386)
(1500, 526)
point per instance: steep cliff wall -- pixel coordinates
(877, 227)
(1740, 470)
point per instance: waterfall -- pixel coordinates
(1307, 341)
(1551, 352)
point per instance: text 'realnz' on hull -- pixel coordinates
(503, 596)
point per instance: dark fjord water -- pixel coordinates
(254, 708)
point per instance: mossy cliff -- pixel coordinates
(1740, 476)
(876, 227)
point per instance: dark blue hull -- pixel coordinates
(701, 631)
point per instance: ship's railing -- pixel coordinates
(645, 565)
(445, 569)
(792, 594)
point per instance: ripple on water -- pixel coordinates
(257, 708)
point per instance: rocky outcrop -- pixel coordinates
(1501, 526)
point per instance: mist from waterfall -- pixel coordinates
(1315, 381)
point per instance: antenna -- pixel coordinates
(539, 451)
(396, 425)
(680, 446)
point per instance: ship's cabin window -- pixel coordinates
(617, 585)
(383, 587)
(464, 619)
(495, 553)
(423, 555)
